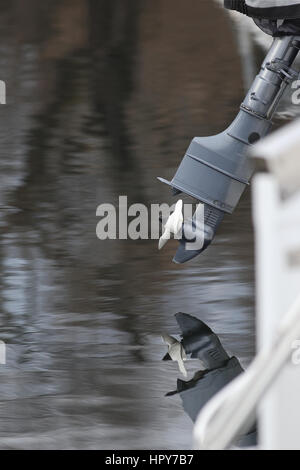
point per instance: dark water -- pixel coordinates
(102, 98)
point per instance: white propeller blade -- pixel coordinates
(176, 352)
(173, 225)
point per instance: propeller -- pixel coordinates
(173, 225)
(176, 352)
(198, 233)
(195, 234)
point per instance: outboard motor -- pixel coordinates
(216, 170)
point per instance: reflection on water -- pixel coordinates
(102, 98)
(217, 370)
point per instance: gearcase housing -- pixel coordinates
(216, 170)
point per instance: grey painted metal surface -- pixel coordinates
(216, 169)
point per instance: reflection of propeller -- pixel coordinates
(173, 225)
(201, 342)
(220, 369)
(176, 352)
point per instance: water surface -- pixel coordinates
(102, 98)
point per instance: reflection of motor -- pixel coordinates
(200, 342)
(216, 170)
